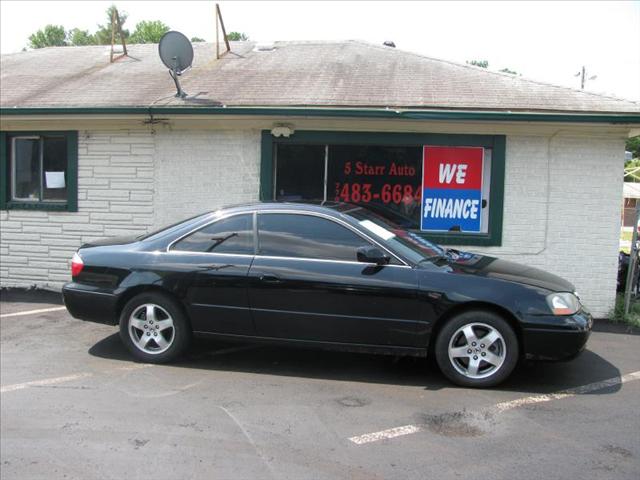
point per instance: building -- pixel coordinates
(92, 149)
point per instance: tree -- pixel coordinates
(103, 35)
(633, 145)
(237, 36)
(79, 37)
(629, 167)
(479, 63)
(148, 31)
(49, 36)
(509, 71)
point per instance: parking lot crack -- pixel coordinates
(251, 441)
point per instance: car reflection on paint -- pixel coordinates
(329, 275)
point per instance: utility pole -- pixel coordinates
(582, 74)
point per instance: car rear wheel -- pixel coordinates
(477, 349)
(154, 328)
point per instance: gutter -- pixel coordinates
(386, 113)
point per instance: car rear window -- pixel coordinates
(174, 226)
(231, 235)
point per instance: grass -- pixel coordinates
(632, 318)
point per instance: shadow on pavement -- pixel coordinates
(607, 326)
(530, 378)
(23, 295)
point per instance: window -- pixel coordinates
(457, 199)
(306, 236)
(300, 173)
(232, 235)
(387, 179)
(41, 170)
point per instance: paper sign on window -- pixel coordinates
(54, 179)
(452, 189)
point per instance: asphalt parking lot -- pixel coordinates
(74, 405)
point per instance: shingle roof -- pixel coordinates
(322, 74)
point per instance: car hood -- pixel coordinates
(486, 266)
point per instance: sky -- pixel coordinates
(545, 41)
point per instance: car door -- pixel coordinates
(217, 258)
(306, 283)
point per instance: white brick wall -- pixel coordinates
(198, 171)
(115, 197)
(130, 182)
(576, 237)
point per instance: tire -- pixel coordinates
(477, 349)
(154, 328)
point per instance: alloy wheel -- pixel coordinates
(477, 350)
(151, 328)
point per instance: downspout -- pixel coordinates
(548, 200)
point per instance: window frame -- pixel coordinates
(7, 202)
(497, 143)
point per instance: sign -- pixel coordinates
(54, 180)
(451, 189)
(387, 179)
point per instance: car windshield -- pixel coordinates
(407, 242)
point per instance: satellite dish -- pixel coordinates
(176, 52)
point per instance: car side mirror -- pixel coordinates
(372, 255)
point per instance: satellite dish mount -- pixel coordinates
(176, 52)
(175, 73)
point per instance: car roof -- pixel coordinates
(302, 206)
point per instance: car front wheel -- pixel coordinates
(154, 328)
(477, 349)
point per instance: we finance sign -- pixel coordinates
(452, 188)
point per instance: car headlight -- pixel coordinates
(563, 303)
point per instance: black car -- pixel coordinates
(332, 275)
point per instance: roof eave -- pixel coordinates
(387, 113)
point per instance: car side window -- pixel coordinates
(306, 236)
(233, 235)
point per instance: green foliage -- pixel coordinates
(49, 36)
(237, 36)
(485, 64)
(635, 177)
(79, 37)
(479, 63)
(632, 318)
(148, 31)
(633, 145)
(103, 35)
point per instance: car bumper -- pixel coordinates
(90, 303)
(556, 338)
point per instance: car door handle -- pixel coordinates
(270, 278)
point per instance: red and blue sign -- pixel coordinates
(452, 189)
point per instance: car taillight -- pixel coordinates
(76, 265)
